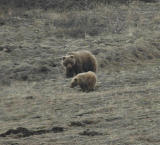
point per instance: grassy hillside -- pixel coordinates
(37, 106)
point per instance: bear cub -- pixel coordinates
(78, 62)
(86, 81)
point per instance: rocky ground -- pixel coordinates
(37, 106)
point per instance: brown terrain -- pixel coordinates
(37, 105)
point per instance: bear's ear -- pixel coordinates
(75, 79)
(63, 57)
(71, 56)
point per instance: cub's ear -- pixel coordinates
(63, 57)
(71, 56)
(75, 79)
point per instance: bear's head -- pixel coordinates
(69, 62)
(74, 82)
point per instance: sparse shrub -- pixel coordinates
(78, 24)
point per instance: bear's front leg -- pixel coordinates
(69, 73)
(84, 87)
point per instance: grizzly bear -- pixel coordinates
(86, 81)
(78, 62)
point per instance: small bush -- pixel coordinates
(92, 23)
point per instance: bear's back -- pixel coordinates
(87, 60)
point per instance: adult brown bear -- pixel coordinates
(78, 62)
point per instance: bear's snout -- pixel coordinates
(72, 85)
(69, 66)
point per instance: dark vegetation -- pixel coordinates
(63, 5)
(23, 132)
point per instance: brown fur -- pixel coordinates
(78, 62)
(86, 81)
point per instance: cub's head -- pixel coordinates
(69, 61)
(74, 82)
